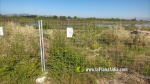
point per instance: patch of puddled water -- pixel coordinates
(137, 25)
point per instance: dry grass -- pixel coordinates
(117, 33)
(16, 35)
(122, 78)
(21, 30)
(19, 53)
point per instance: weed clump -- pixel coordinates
(94, 45)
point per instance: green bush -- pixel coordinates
(113, 35)
(19, 69)
(94, 46)
(63, 62)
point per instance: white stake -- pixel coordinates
(41, 45)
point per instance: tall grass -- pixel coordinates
(125, 49)
(90, 47)
(19, 54)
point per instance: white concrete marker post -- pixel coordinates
(1, 31)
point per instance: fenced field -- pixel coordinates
(86, 58)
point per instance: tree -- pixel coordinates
(112, 19)
(63, 18)
(69, 17)
(133, 19)
(55, 17)
(75, 17)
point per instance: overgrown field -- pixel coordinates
(90, 47)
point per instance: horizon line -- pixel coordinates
(21, 14)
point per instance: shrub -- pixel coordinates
(114, 35)
(94, 45)
(63, 62)
(138, 40)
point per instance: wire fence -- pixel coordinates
(96, 53)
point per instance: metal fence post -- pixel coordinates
(41, 45)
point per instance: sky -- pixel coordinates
(125, 9)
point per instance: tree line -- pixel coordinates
(64, 18)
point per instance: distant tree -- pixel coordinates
(133, 19)
(91, 18)
(29, 16)
(55, 17)
(123, 19)
(112, 19)
(63, 18)
(117, 19)
(94, 18)
(141, 20)
(75, 17)
(69, 17)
